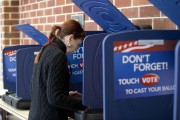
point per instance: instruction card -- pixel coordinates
(143, 68)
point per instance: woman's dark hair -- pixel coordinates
(67, 28)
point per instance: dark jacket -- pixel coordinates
(50, 98)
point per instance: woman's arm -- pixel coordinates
(57, 85)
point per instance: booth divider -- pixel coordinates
(176, 114)
(126, 98)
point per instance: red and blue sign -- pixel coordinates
(143, 68)
(76, 64)
(10, 61)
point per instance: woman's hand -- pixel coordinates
(75, 93)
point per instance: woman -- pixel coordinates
(50, 97)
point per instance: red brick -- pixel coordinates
(51, 3)
(26, 15)
(90, 26)
(6, 42)
(15, 16)
(11, 22)
(40, 27)
(15, 42)
(14, 3)
(149, 11)
(22, 21)
(164, 23)
(33, 14)
(40, 13)
(60, 18)
(130, 12)
(6, 16)
(51, 19)
(11, 9)
(23, 8)
(33, 42)
(28, 7)
(35, 21)
(27, 21)
(68, 17)
(42, 20)
(11, 35)
(142, 22)
(140, 2)
(48, 12)
(76, 9)
(32, 1)
(122, 3)
(68, 1)
(67, 9)
(43, 5)
(6, 29)
(26, 2)
(14, 30)
(48, 27)
(5, 3)
(26, 42)
(60, 2)
(57, 10)
(34, 6)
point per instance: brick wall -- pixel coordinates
(9, 15)
(42, 14)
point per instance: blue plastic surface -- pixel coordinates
(170, 8)
(10, 85)
(147, 108)
(92, 71)
(176, 115)
(76, 61)
(24, 63)
(106, 15)
(32, 33)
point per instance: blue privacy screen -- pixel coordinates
(105, 14)
(133, 99)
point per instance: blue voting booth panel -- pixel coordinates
(32, 33)
(170, 8)
(9, 66)
(24, 65)
(92, 71)
(105, 14)
(77, 64)
(177, 83)
(127, 93)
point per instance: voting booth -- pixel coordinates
(176, 114)
(138, 75)
(103, 13)
(17, 71)
(130, 107)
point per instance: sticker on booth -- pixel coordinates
(143, 68)
(10, 65)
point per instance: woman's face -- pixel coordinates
(71, 43)
(75, 43)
